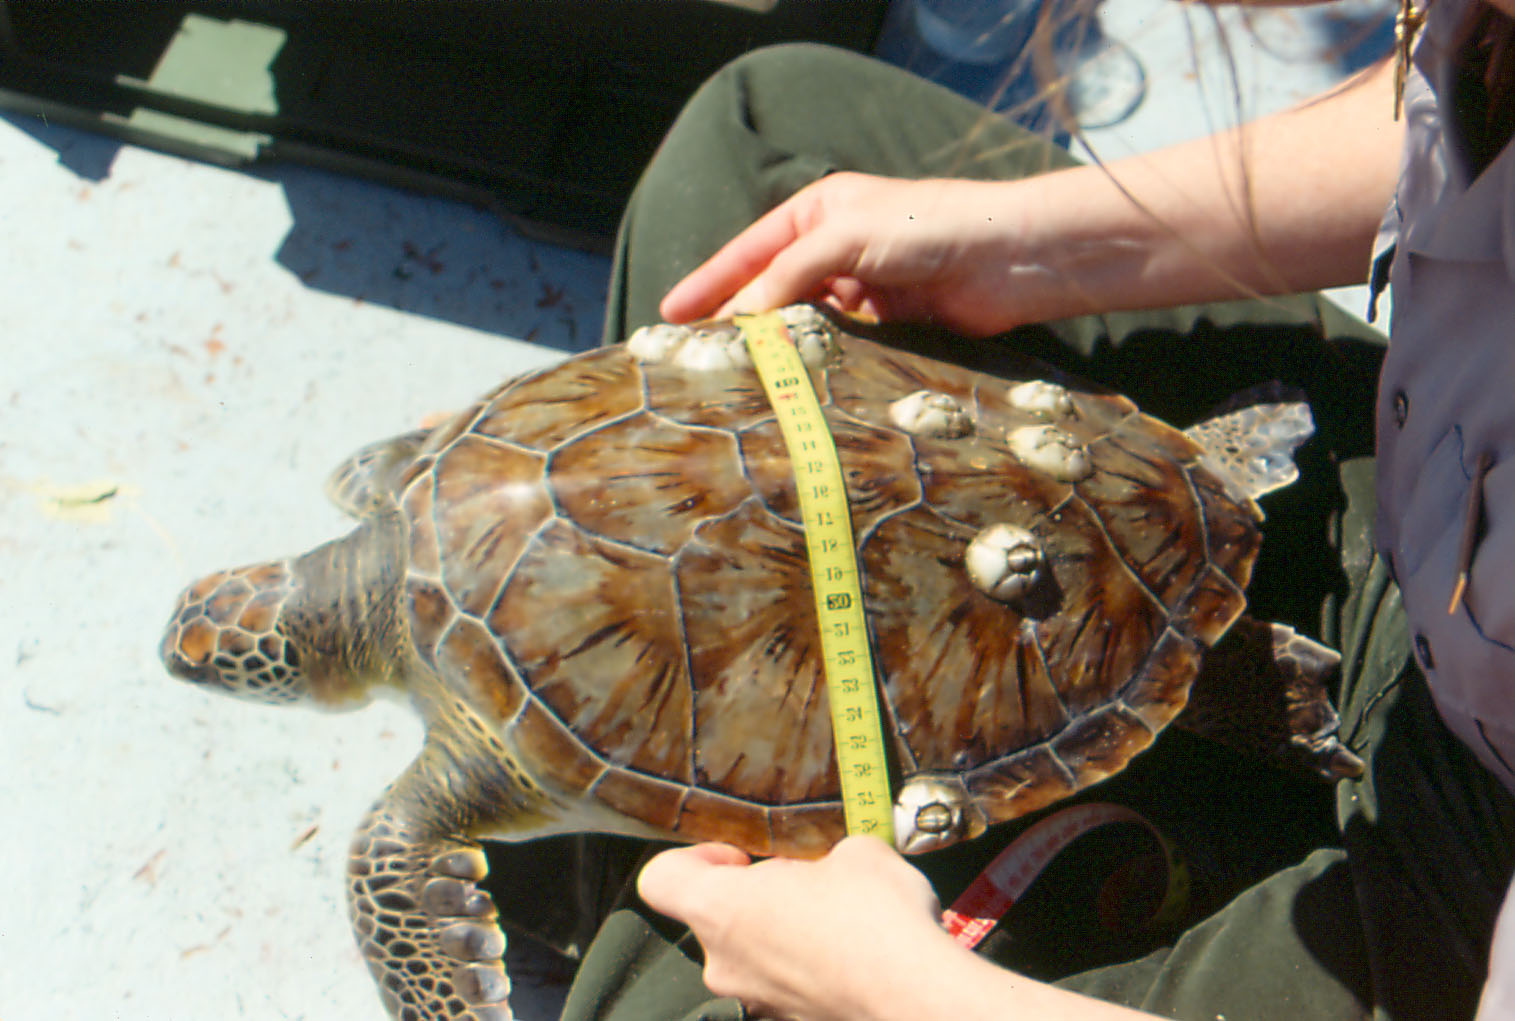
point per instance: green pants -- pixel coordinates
(1376, 899)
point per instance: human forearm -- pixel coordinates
(938, 979)
(1287, 203)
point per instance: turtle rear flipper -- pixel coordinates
(1262, 691)
(426, 927)
(371, 474)
(1252, 450)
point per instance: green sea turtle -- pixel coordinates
(592, 585)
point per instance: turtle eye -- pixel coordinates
(225, 635)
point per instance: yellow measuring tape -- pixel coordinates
(855, 718)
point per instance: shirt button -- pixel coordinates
(1401, 408)
(1423, 653)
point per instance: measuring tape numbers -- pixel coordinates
(856, 721)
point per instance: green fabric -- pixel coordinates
(1376, 900)
(637, 973)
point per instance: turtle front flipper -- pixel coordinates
(372, 472)
(427, 929)
(1262, 691)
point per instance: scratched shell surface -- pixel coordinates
(607, 562)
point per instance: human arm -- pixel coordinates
(1289, 202)
(854, 935)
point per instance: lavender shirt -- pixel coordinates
(1446, 428)
(1446, 401)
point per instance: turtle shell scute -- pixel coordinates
(679, 477)
(594, 629)
(551, 406)
(730, 399)
(489, 498)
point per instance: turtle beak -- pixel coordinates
(182, 666)
(188, 647)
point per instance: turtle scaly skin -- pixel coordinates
(592, 585)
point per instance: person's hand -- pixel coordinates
(806, 940)
(853, 936)
(932, 250)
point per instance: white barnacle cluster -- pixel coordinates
(715, 345)
(931, 413)
(1046, 447)
(1051, 451)
(811, 333)
(700, 348)
(1041, 399)
(1004, 561)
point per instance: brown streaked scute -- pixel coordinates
(1146, 508)
(981, 483)
(964, 675)
(475, 669)
(868, 377)
(707, 816)
(1020, 784)
(806, 831)
(425, 553)
(1230, 527)
(1159, 439)
(420, 466)
(489, 499)
(1093, 415)
(443, 435)
(1160, 690)
(679, 477)
(762, 724)
(552, 406)
(1100, 743)
(731, 399)
(1211, 607)
(550, 751)
(594, 628)
(1105, 622)
(1099, 412)
(430, 613)
(655, 802)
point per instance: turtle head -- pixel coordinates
(227, 634)
(325, 628)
